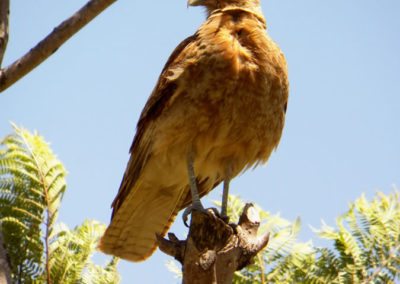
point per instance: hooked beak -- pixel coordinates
(195, 2)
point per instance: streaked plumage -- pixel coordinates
(223, 94)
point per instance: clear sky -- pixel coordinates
(342, 135)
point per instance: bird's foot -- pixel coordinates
(191, 208)
(225, 218)
(194, 206)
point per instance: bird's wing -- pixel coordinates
(140, 210)
(157, 102)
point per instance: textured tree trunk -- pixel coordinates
(214, 250)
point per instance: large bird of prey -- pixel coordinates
(218, 108)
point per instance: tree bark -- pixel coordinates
(4, 13)
(50, 44)
(5, 274)
(214, 250)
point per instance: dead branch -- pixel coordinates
(214, 250)
(4, 13)
(51, 43)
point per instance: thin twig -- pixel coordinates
(50, 44)
(4, 13)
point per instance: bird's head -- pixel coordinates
(212, 5)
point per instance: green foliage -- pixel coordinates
(71, 252)
(32, 184)
(367, 241)
(283, 259)
(366, 247)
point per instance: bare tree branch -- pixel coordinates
(51, 43)
(5, 274)
(4, 12)
(214, 250)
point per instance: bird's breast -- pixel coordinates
(231, 103)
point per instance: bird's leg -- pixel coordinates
(196, 203)
(225, 194)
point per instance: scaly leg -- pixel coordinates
(225, 194)
(196, 203)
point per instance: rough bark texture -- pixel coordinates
(51, 43)
(214, 250)
(4, 12)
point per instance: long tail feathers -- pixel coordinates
(145, 212)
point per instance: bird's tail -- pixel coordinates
(145, 212)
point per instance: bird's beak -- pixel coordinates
(195, 2)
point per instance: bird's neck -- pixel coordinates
(255, 11)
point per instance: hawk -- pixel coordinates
(217, 109)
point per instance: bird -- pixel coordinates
(218, 109)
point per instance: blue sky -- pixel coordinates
(342, 135)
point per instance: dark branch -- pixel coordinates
(4, 13)
(214, 250)
(173, 247)
(51, 43)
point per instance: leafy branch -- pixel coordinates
(32, 184)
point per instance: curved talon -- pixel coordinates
(185, 215)
(219, 215)
(188, 210)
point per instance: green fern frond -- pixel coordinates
(32, 182)
(366, 248)
(101, 275)
(366, 241)
(71, 252)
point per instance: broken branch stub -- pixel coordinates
(214, 250)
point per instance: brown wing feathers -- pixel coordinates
(140, 150)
